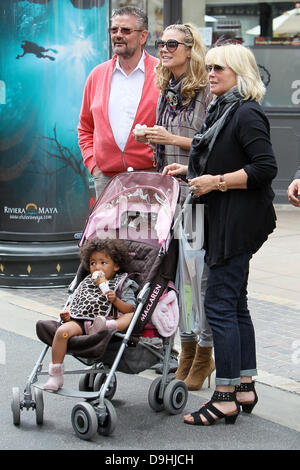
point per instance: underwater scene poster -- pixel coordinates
(47, 49)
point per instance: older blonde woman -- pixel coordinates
(182, 80)
(231, 167)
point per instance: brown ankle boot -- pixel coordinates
(202, 367)
(186, 358)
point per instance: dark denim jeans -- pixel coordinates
(229, 318)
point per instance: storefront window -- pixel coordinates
(156, 20)
(272, 30)
(123, 3)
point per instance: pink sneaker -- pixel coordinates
(56, 379)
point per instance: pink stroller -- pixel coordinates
(140, 208)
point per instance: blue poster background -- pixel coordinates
(47, 49)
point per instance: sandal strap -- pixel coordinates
(205, 411)
(209, 406)
(245, 387)
(223, 396)
(196, 417)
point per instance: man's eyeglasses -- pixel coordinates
(215, 68)
(171, 44)
(125, 31)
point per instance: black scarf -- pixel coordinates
(171, 106)
(218, 113)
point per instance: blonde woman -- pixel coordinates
(185, 95)
(231, 167)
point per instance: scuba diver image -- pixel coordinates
(30, 47)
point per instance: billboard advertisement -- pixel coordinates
(47, 49)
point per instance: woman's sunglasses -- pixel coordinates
(215, 68)
(171, 44)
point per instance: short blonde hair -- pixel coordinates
(195, 76)
(242, 61)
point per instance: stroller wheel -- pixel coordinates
(107, 426)
(155, 402)
(84, 420)
(16, 406)
(99, 381)
(86, 382)
(175, 396)
(39, 406)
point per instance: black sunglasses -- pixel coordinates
(125, 31)
(171, 44)
(215, 68)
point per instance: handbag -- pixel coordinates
(190, 268)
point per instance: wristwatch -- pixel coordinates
(222, 185)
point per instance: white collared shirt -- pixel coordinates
(125, 95)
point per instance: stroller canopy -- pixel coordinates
(135, 206)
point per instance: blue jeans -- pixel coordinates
(229, 318)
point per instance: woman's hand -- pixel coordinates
(142, 138)
(203, 184)
(206, 183)
(159, 135)
(175, 169)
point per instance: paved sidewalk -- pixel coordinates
(273, 299)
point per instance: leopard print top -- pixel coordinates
(89, 302)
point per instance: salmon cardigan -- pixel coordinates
(95, 136)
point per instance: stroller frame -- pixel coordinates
(96, 414)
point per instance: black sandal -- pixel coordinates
(247, 407)
(207, 407)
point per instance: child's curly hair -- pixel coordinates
(115, 249)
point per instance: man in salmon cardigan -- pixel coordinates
(119, 94)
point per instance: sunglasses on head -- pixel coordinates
(125, 31)
(215, 68)
(171, 44)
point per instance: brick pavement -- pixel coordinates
(277, 329)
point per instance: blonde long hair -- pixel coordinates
(195, 76)
(242, 61)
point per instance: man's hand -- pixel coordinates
(293, 192)
(95, 172)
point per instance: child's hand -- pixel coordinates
(111, 296)
(65, 316)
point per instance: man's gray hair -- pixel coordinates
(131, 10)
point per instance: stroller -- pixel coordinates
(140, 208)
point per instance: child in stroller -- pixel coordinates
(91, 308)
(139, 209)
